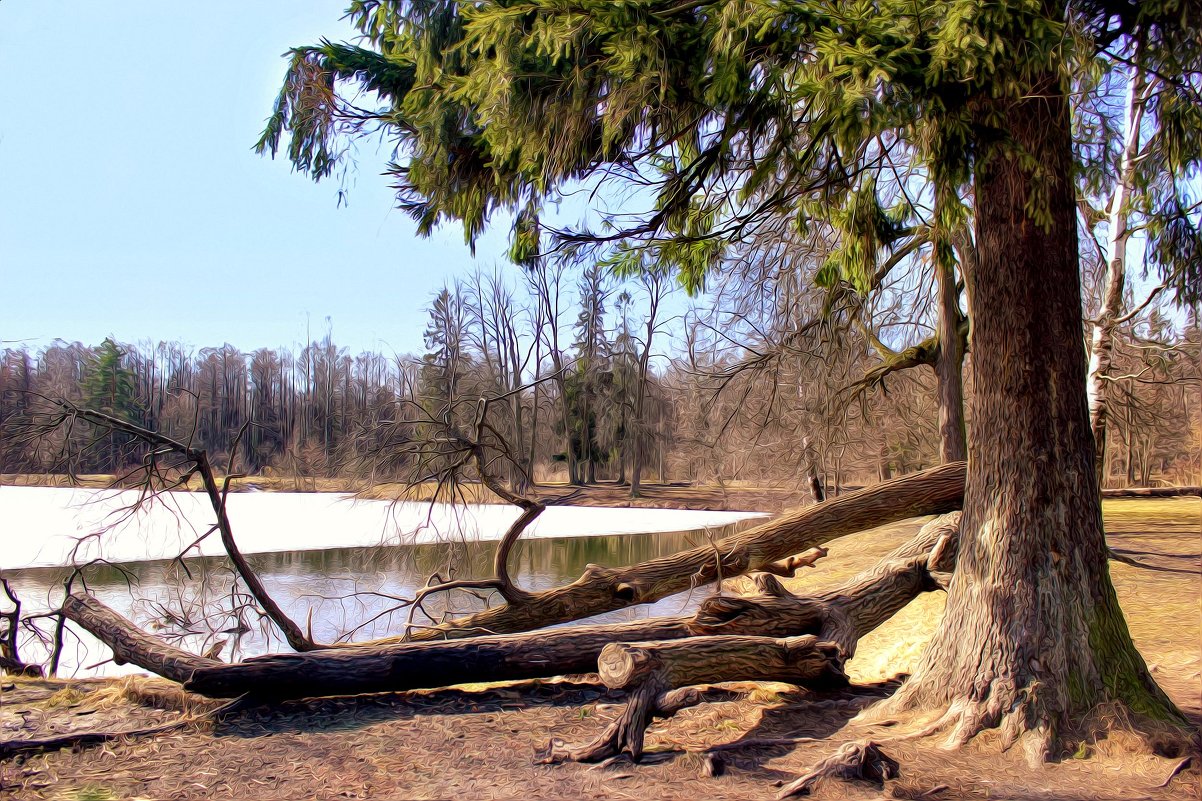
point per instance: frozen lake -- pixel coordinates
(331, 561)
(55, 526)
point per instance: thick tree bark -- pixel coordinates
(1033, 638)
(604, 589)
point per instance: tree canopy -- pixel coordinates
(721, 113)
(729, 114)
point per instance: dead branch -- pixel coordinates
(852, 762)
(602, 589)
(10, 656)
(129, 643)
(198, 459)
(659, 676)
(12, 748)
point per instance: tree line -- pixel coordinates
(600, 383)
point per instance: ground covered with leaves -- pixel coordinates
(747, 741)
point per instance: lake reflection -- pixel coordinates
(348, 593)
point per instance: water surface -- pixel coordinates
(347, 593)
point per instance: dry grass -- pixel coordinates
(740, 496)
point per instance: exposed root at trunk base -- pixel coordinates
(1022, 719)
(863, 761)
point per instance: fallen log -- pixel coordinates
(604, 589)
(658, 675)
(844, 614)
(405, 666)
(128, 642)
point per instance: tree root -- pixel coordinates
(864, 761)
(1022, 719)
(1019, 720)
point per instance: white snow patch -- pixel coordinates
(54, 526)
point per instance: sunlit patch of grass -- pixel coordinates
(768, 694)
(64, 698)
(89, 792)
(1152, 513)
(1161, 606)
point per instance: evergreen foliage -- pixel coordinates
(729, 111)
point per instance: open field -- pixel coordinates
(484, 741)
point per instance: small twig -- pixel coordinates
(11, 748)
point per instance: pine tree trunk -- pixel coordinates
(1033, 638)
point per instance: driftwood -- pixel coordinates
(658, 675)
(605, 589)
(403, 666)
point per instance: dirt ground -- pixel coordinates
(485, 741)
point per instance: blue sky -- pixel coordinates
(132, 204)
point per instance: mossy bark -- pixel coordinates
(1033, 638)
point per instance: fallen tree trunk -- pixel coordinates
(658, 675)
(407, 666)
(129, 643)
(868, 597)
(844, 614)
(604, 589)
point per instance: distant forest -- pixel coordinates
(576, 357)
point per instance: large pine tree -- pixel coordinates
(734, 110)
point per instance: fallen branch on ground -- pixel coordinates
(659, 675)
(605, 589)
(852, 762)
(12, 748)
(874, 594)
